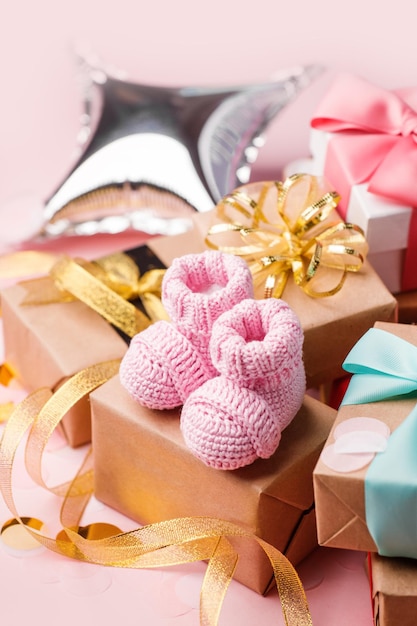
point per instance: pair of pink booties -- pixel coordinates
(234, 363)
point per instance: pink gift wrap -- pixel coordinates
(372, 150)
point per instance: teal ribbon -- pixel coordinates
(391, 493)
(385, 366)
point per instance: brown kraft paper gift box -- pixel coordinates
(340, 497)
(47, 344)
(331, 325)
(394, 590)
(143, 469)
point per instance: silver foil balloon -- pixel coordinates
(157, 154)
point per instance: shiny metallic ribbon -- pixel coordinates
(384, 367)
(106, 286)
(374, 141)
(283, 229)
(172, 542)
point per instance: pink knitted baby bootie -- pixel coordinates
(168, 360)
(237, 417)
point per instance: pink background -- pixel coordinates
(172, 43)
(218, 42)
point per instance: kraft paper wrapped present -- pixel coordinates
(364, 481)
(45, 343)
(143, 469)
(331, 325)
(394, 590)
(363, 140)
(45, 348)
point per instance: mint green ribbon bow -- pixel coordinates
(385, 366)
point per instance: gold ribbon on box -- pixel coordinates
(106, 286)
(283, 229)
(172, 542)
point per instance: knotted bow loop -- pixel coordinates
(284, 228)
(352, 107)
(121, 274)
(383, 366)
(409, 124)
(106, 286)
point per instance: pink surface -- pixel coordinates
(38, 585)
(176, 43)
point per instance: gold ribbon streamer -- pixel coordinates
(283, 228)
(171, 542)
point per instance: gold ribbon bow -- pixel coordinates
(106, 286)
(172, 542)
(283, 228)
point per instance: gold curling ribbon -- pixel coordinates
(106, 286)
(283, 228)
(171, 542)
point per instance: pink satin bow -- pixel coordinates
(379, 131)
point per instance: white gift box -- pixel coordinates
(385, 223)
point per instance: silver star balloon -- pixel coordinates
(157, 154)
